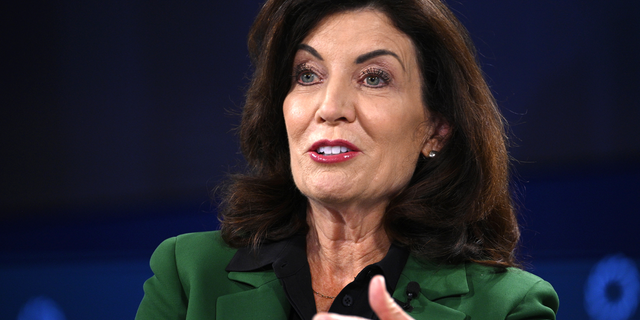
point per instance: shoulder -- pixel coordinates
(193, 256)
(193, 246)
(512, 280)
(196, 248)
(512, 293)
(188, 274)
(483, 292)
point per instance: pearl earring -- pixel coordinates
(432, 153)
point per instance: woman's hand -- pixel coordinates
(381, 302)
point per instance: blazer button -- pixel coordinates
(347, 300)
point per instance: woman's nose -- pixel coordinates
(337, 104)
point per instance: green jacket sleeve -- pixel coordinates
(540, 302)
(164, 296)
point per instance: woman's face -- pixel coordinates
(355, 120)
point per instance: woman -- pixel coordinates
(377, 183)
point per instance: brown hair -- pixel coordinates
(457, 206)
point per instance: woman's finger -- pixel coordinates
(382, 303)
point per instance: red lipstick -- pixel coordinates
(333, 151)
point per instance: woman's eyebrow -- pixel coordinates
(311, 50)
(360, 59)
(376, 53)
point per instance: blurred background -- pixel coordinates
(117, 122)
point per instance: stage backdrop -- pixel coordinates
(118, 117)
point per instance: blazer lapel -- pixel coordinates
(264, 298)
(436, 282)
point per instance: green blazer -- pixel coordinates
(190, 282)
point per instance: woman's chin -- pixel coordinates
(330, 196)
(344, 200)
(329, 186)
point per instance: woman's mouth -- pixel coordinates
(333, 151)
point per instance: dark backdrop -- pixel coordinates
(117, 122)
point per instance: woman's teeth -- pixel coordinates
(332, 150)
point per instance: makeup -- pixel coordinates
(333, 151)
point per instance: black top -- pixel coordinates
(288, 259)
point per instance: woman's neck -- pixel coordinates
(341, 244)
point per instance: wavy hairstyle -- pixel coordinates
(457, 206)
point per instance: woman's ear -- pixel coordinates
(439, 135)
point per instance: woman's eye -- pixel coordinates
(373, 81)
(307, 77)
(375, 78)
